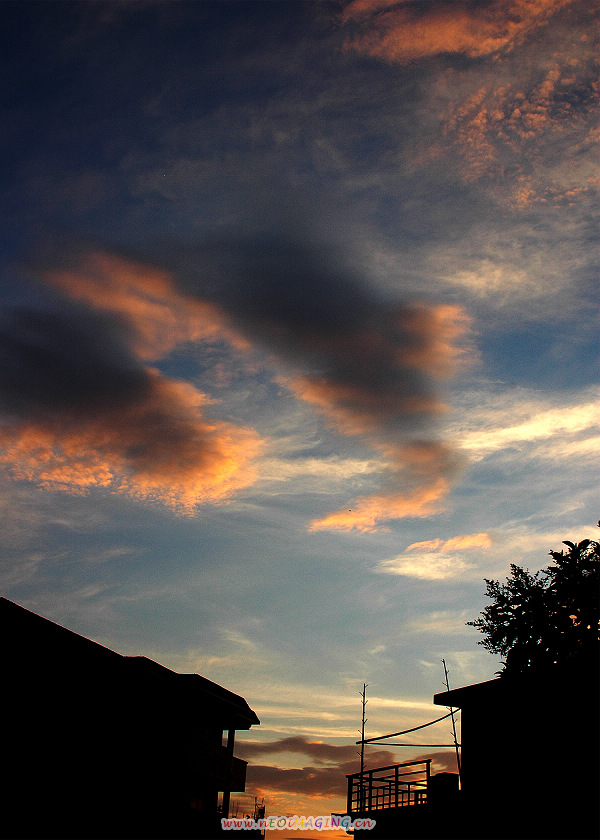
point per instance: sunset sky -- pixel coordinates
(298, 343)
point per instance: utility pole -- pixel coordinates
(363, 694)
(447, 684)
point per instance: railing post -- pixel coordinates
(370, 790)
(396, 786)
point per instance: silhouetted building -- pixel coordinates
(529, 766)
(96, 744)
(530, 753)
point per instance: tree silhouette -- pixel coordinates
(547, 618)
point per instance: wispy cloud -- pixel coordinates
(371, 511)
(158, 316)
(442, 622)
(324, 776)
(435, 559)
(507, 126)
(519, 122)
(453, 544)
(427, 566)
(532, 424)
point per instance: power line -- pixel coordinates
(396, 744)
(405, 731)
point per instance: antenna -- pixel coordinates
(447, 684)
(363, 694)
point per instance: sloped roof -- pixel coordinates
(35, 647)
(537, 685)
(477, 693)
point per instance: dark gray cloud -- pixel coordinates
(79, 409)
(371, 364)
(66, 360)
(319, 751)
(326, 774)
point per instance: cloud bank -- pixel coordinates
(83, 407)
(325, 776)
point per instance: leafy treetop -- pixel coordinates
(547, 618)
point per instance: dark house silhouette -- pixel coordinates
(530, 753)
(529, 766)
(96, 744)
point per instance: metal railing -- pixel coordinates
(394, 786)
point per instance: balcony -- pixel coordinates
(394, 786)
(211, 761)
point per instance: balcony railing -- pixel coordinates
(393, 786)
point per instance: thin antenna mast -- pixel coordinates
(363, 694)
(447, 684)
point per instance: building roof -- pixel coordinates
(37, 648)
(543, 686)
(470, 694)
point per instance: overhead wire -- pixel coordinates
(406, 731)
(396, 744)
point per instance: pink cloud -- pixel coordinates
(404, 33)
(157, 447)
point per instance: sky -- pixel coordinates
(298, 344)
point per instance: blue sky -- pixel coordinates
(299, 342)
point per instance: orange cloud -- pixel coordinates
(527, 126)
(356, 411)
(424, 466)
(530, 127)
(424, 340)
(92, 413)
(81, 409)
(159, 316)
(158, 447)
(482, 540)
(407, 33)
(368, 513)
(435, 330)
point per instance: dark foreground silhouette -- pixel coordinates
(529, 766)
(99, 745)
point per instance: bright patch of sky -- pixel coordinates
(299, 342)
